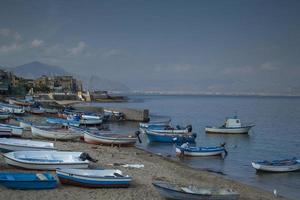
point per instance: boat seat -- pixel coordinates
(41, 177)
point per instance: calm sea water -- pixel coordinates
(275, 136)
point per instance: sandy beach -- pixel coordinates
(155, 167)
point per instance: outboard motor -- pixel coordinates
(137, 134)
(85, 156)
(189, 128)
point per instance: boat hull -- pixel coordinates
(54, 134)
(15, 130)
(199, 153)
(8, 145)
(168, 138)
(102, 139)
(242, 130)
(269, 168)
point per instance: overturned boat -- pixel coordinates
(10, 144)
(46, 160)
(231, 126)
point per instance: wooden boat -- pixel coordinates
(175, 191)
(14, 130)
(64, 122)
(187, 150)
(231, 126)
(10, 144)
(4, 115)
(287, 165)
(94, 137)
(46, 160)
(93, 178)
(28, 181)
(54, 133)
(169, 137)
(12, 108)
(20, 102)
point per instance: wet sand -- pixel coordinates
(156, 167)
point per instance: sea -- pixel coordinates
(276, 134)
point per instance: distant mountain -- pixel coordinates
(36, 69)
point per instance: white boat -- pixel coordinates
(15, 130)
(231, 126)
(25, 125)
(46, 160)
(10, 144)
(4, 115)
(287, 165)
(86, 119)
(187, 150)
(20, 102)
(93, 178)
(54, 133)
(12, 108)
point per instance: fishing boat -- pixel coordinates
(20, 102)
(287, 165)
(109, 138)
(64, 122)
(175, 191)
(13, 109)
(93, 178)
(27, 181)
(54, 133)
(231, 126)
(169, 137)
(46, 160)
(170, 129)
(10, 144)
(4, 115)
(187, 150)
(14, 130)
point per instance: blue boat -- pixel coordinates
(187, 150)
(169, 137)
(28, 181)
(64, 122)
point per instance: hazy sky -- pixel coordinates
(201, 45)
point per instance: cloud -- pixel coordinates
(6, 32)
(10, 48)
(36, 43)
(238, 70)
(173, 68)
(13, 37)
(268, 66)
(112, 52)
(78, 49)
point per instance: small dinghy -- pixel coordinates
(287, 165)
(109, 138)
(54, 133)
(28, 181)
(93, 178)
(231, 126)
(10, 144)
(47, 160)
(14, 130)
(174, 191)
(187, 150)
(169, 137)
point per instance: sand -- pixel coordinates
(156, 167)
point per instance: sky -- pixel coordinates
(232, 46)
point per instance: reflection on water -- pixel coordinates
(275, 136)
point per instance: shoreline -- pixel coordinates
(155, 167)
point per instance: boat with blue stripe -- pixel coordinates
(93, 178)
(285, 165)
(187, 150)
(28, 181)
(64, 122)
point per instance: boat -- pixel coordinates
(187, 150)
(109, 138)
(14, 130)
(34, 110)
(64, 122)
(90, 178)
(86, 119)
(169, 129)
(25, 125)
(27, 181)
(46, 160)
(20, 102)
(158, 123)
(10, 144)
(13, 109)
(54, 133)
(287, 165)
(50, 110)
(179, 192)
(4, 115)
(231, 126)
(169, 137)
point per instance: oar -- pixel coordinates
(137, 133)
(225, 151)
